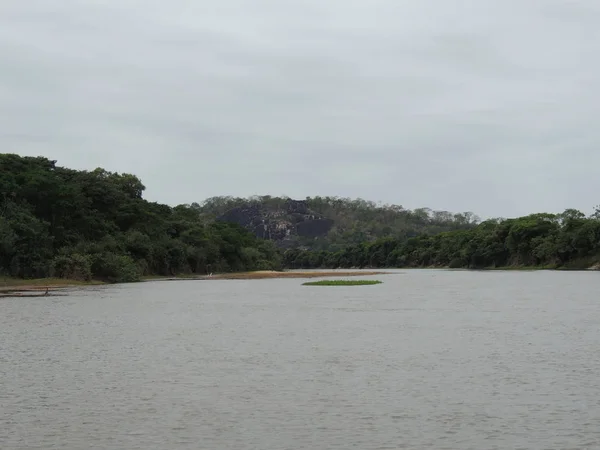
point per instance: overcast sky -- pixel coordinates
(490, 106)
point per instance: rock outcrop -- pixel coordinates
(284, 224)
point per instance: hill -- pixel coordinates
(329, 223)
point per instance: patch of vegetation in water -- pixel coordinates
(342, 283)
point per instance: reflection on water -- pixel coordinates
(427, 360)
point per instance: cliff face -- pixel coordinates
(282, 224)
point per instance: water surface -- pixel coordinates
(427, 360)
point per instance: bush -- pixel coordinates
(72, 267)
(116, 268)
(456, 263)
(265, 265)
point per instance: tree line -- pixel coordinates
(60, 222)
(568, 240)
(66, 223)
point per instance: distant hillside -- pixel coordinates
(329, 223)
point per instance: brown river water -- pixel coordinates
(427, 360)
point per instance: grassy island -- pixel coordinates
(342, 283)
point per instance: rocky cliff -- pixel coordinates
(284, 224)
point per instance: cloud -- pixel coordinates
(482, 105)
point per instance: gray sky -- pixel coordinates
(482, 105)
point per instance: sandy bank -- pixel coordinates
(41, 287)
(264, 274)
(271, 274)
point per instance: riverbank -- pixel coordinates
(295, 274)
(10, 287)
(271, 274)
(8, 284)
(16, 287)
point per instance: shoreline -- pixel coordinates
(273, 274)
(39, 287)
(267, 274)
(14, 287)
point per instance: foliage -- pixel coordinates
(73, 267)
(95, 224)
(342, 283)
(567, 240)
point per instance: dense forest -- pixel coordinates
(569, 240)
(74, 224)
(59, 222)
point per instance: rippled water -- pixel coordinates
(427, 360)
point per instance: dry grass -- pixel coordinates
(40, 284)
(22, 288)
(259, 275)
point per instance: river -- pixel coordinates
(427, 360)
